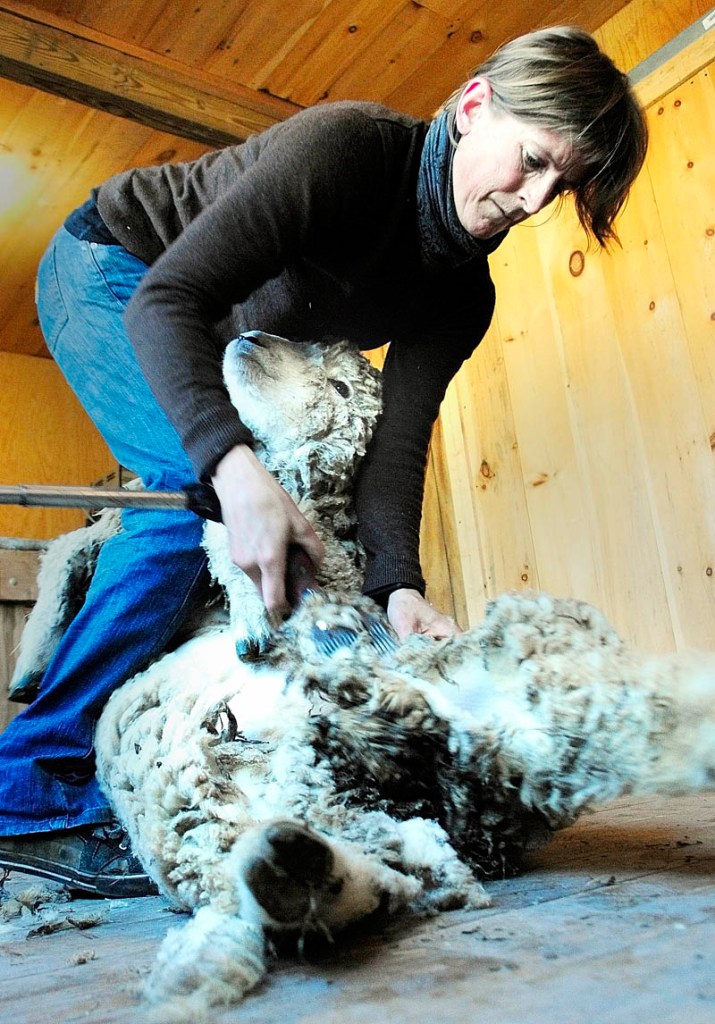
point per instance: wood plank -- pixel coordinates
(262, 37)
(666, 396)
(395, 50)
(642, 27)
(70, 61)
(439, 553)
(449, 9)
(127, 21)
(479, 30)
(45, 437)
(342, 31)
(46, 171)
(495, 545)
(670, 75)
(40, 156)
(556, 501)
(18, 575)
(613, 425)
(681, 129)
(12, 622)
(614, 469)
(439, 546)
(472, 571)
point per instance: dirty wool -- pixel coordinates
(287, 790)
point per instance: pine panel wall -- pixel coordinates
(577, 444)
(45, 435)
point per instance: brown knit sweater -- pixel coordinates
(307, 230)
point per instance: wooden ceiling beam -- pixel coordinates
(66, 59)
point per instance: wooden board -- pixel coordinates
(45, 437)
(591, 403)
(18, 575)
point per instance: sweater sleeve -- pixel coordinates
(319, 178)
(390, 486)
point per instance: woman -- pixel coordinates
(349, 220)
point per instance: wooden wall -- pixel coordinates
(577, 444)
(45, 437)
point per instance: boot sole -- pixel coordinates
(125, 887)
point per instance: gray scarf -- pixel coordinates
(444, 243)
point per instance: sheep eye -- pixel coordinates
(340, 386)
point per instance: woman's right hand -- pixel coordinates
(262, 521)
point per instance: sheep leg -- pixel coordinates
(66, 570)
(678, 747)
(289, 870)
(250, 626)
(291, 878)
(212, 960)
(557, 738)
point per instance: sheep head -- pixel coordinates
(312, 407)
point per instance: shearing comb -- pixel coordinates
(301, 581)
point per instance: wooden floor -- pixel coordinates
(613, 923)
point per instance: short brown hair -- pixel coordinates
(559, 79)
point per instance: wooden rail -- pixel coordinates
(66, 59)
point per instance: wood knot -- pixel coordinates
(577, 262)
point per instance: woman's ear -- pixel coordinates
(476, 95)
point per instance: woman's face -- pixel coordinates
(504, 169)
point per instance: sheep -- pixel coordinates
(310, 790)
(312, 410)
(66, 566)
(299, 790)
(311, 429)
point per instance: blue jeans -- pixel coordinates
(146, 576)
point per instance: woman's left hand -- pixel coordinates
(409, 612)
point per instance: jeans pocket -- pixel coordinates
(120, 271)
(51, 308)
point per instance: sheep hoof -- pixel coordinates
(291, 865)
(25, 689)
(250, 649)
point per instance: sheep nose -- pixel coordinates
(255, 337)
